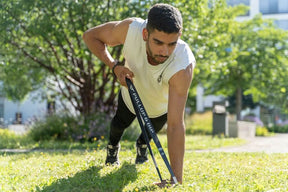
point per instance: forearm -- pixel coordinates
(176, 149)
(99, 49)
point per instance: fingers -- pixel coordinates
(129, 77)
(165, 184)
(122, 73)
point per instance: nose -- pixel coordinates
(164, 51)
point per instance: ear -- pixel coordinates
(145, 34)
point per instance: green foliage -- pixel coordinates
(53, 127)
(256, 62)
(63, 127)
(199, 123)
(9, 139)
(262, 131)
(278, 129)
(49, 49)
(19, 81)
(42, 45)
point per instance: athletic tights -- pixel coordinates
(123, 119)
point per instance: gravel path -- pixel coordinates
(273, 144)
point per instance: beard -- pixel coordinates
(155, 59)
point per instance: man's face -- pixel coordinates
(159, 45)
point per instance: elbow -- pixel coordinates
(85, 36)
(88, 36)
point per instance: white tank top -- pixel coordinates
(151, 81)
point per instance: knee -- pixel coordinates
(117, 123)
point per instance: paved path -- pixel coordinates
(273, 144)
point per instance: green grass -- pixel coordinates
(199, 123)
(9, 139)
(12, 141)
(73, 166)
(65, 166)
(84, 171)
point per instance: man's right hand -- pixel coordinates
(121, 73)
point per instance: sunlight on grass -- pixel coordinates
(74, 166)
(85, 171)
(198, 142)
(8, 139)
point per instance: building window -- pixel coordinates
(51, 107)
(283, 6)
(238, 2)
(283, 24)
(1, 113)
(273, 6)
(233, 3)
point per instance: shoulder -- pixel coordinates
(184, 54)
(120, 30)
(182, 58)
(137, 24)
(180, 82)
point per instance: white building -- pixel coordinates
(21, 112)
(270, 9)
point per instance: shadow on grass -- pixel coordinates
(91, 180)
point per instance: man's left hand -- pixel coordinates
(165, 184)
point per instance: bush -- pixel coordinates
(262, 131)
(8, 139)
(67, 127)
(279, 129)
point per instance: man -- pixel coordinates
(160, 66)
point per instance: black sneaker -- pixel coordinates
(141, 153)
(112, 155)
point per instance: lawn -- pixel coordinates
(73, 166)
(55, 166)
(84, 171)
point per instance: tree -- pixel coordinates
(254, 61)
(45, 37)
(18, 80)
(208, 26)
(237, 57)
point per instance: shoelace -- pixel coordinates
(142, 150)
(112, 152)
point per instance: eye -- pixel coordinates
(172, 44)
(158, 43)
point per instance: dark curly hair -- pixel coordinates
(165, 18)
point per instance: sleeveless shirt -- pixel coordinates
(151, 81)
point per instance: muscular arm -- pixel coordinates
(178, 91)
(108, 34)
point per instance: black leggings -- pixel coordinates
(124, 117)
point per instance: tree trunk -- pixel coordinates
(238, 102)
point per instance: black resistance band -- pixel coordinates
(146, 125)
